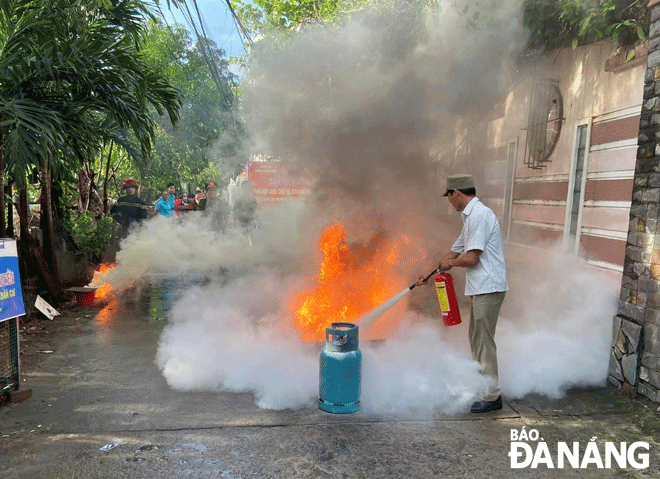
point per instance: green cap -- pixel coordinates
(459, 182)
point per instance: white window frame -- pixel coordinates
(575, 248)
(510, 180)
(509, 175)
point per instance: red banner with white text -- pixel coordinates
(274, 183)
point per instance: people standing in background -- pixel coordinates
(171, 190)
(130, 208)
(215, 205)
(164, 206)
(171, 194)
(207, 198)
(199, 195)
(245, 208)
(183, 204)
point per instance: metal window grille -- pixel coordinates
(9, 362)
(546, 111)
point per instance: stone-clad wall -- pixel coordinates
(634, 361)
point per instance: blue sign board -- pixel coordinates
(11, 296)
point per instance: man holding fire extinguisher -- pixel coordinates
(479, 250)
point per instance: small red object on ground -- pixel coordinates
(84, 296)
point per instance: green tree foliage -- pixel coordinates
(93, 236)
(560, 23)
(552, 23)
(69, 72)
(208, 134)
(262, 15)
(71, 82)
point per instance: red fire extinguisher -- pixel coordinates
(444, 285)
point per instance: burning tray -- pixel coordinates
(84, 296)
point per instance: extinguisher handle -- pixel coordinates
(412, 286)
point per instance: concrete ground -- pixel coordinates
(101, 409)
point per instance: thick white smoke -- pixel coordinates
(239, 338)
(234, 338)
(419, 371)
(222, 338)
(558, 330)
(193, 245)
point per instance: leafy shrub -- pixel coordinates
(91, 235)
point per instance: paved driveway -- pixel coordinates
(102, 409)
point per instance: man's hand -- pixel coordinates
(420, 281)
(444, 264)
(466, 260)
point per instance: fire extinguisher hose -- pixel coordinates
(437, 270)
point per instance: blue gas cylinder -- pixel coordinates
(340, 369)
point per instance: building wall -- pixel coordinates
(535, 205)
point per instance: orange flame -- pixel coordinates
(103, 288)
(351, 282)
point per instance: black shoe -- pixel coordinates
(485, 406)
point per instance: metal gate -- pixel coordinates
(9, 359)
(11, 308)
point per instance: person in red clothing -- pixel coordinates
(184, 204)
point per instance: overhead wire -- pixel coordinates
(202, 42)
(242, 31)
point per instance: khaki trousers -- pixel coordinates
(484, 310)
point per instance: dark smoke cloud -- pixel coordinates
(362, 105)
